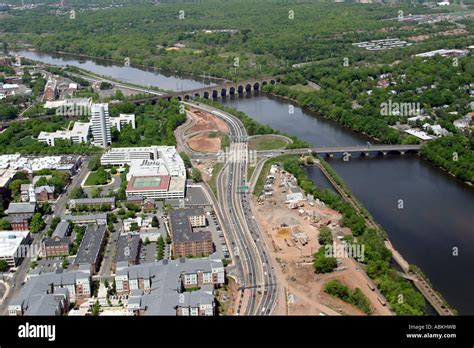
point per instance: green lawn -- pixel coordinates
(250, 170)
(270, 144)
(94, 179)
(212, 181)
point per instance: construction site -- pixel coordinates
(205, 132)
(291, 222)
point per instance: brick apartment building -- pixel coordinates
(90, 250)
(186, 240)
(60, 242)
(20, 214)
(51, 293)
(159, 288)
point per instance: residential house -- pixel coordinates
(45, 193)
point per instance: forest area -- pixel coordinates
(219, 38)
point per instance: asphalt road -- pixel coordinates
(248, 249)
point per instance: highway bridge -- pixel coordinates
(342, 150)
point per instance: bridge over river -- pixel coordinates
(222, 90)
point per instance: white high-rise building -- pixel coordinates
(101, 125)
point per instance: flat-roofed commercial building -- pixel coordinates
(165, 155)
(122, 120)
(77, 135)
(70, 106)
(157, 187)
(13, 246)
(155, 172)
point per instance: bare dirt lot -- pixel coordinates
(204, 135)
(293, 255)
(203, 143)
(205, 122)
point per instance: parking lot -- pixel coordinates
(148, 253)
(217, 234)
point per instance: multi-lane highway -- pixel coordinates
(256, 279)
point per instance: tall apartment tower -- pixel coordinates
(100, 125)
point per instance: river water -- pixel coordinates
(427, 214)
(132, 74)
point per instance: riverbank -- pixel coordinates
(292, 236)
(146, 67)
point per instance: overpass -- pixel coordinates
(217, 91)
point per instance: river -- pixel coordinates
(427, 214)
(132, 74)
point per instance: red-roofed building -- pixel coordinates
(156, 187)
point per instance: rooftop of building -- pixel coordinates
(47, 188)
(89, 249)
(128, 247)
(62, 229)
(181, 228)
(21, 208)
(165, 275)
(32, 294)
(146, 183)
(10, 241)
(98, 200)
(85, 217)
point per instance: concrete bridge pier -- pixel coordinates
(402, 152)
(384, 153)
